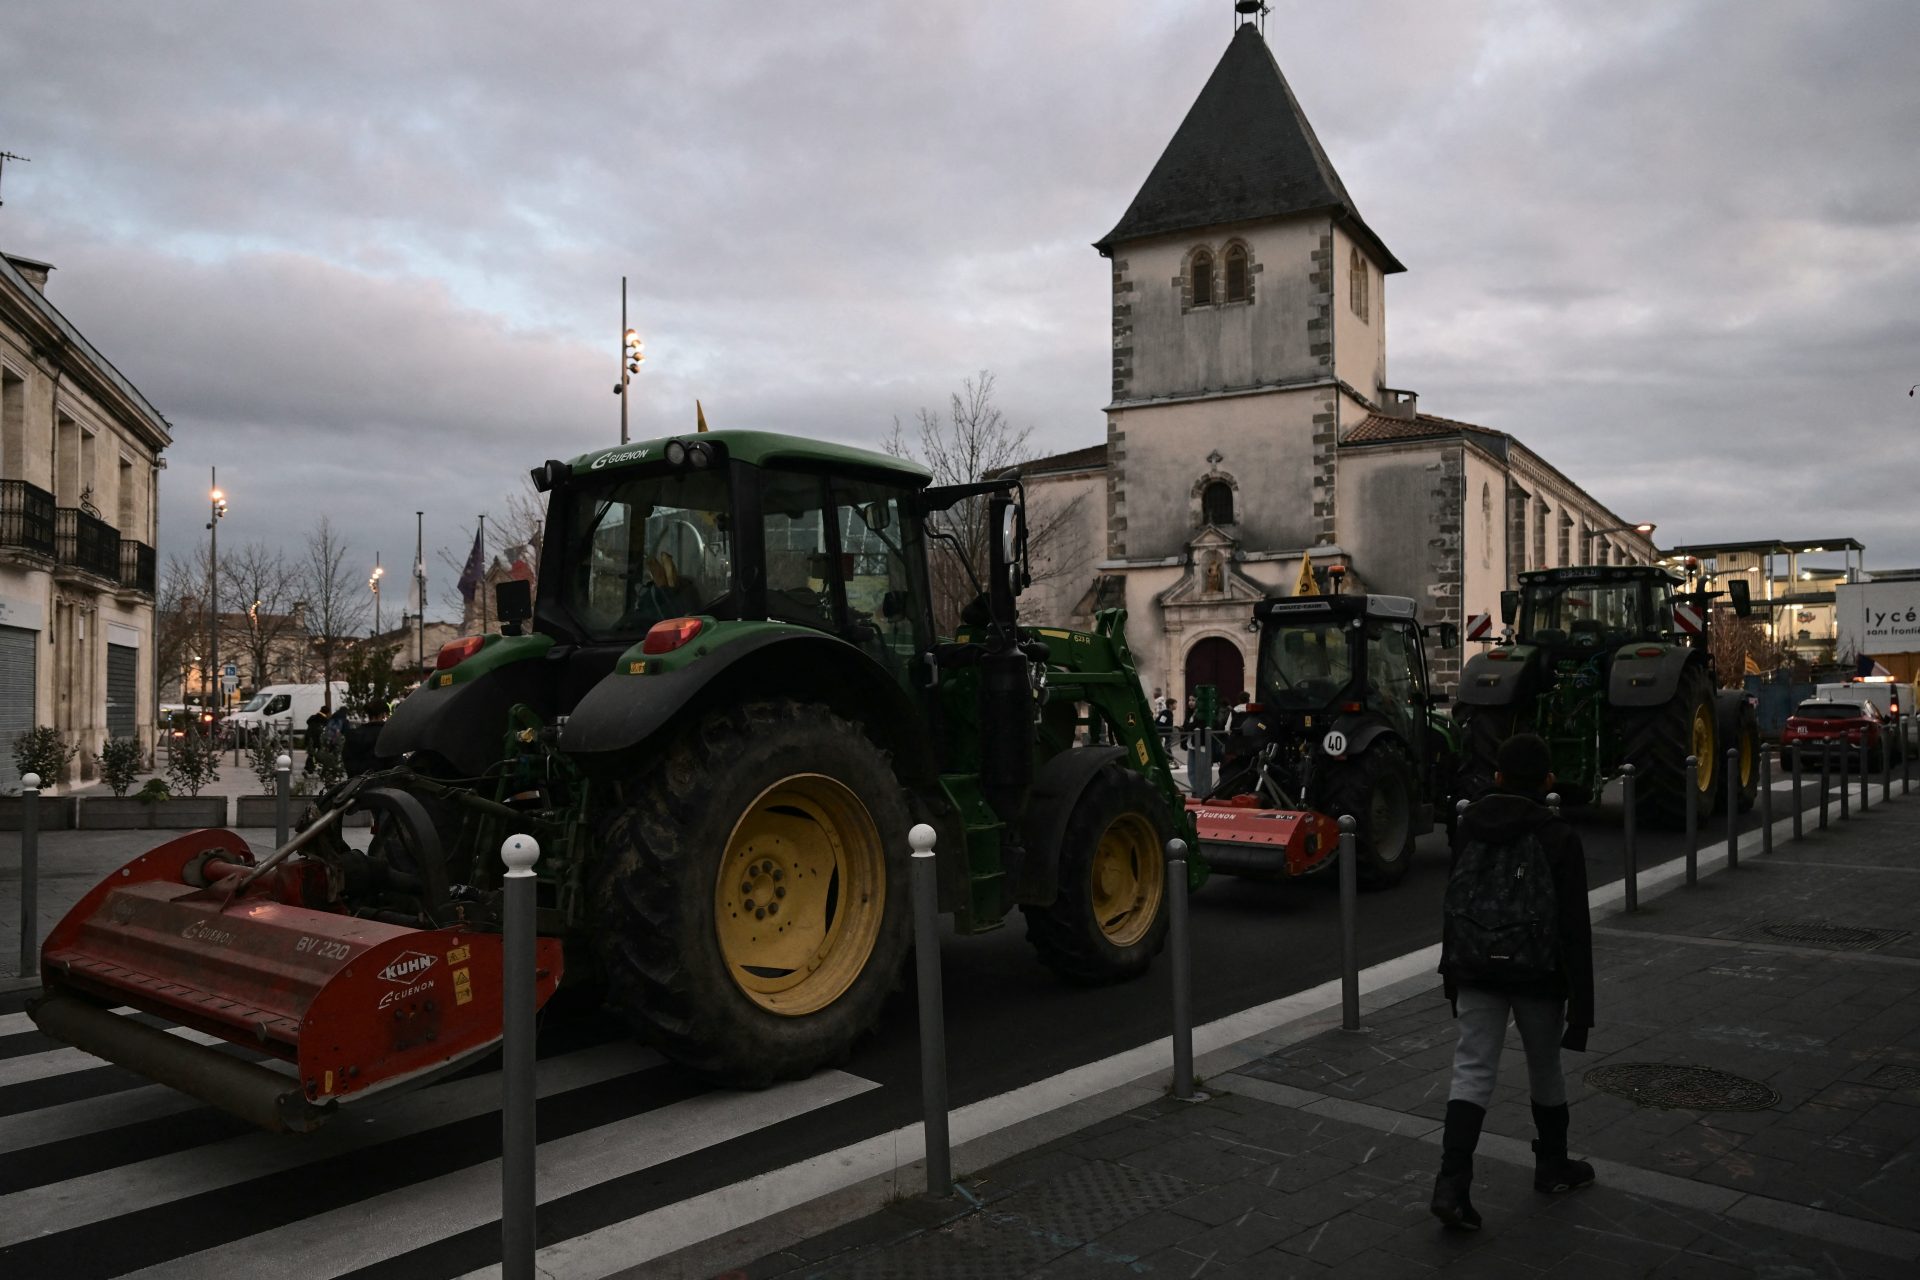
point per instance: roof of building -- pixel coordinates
(1245, 151)
(97, 366)
(1072, 460)
(1773, 546)
(1377, 428)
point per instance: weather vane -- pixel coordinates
(1250, 10)
(6, 156)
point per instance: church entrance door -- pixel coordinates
(1216, 661)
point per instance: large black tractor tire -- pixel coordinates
(1739, 728)
(1377, 790)
(753, 896)
(1482, 730)
(1656, 741)
(1109, 919)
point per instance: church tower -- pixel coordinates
(1249, 327)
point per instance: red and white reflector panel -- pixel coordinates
(1690, 618)
(1480, 627)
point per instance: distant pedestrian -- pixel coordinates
(1186, 723)
(1516, 941)
(336, 726)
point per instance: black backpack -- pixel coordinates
(1502, 921)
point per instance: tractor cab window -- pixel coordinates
(1395, 688)
(887, 598)
(1584, 613)
(800, 574)
(647, 549)
(1303, 666)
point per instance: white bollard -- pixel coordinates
(517, 1192)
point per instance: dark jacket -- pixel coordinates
(358, 745)
(1503, 817)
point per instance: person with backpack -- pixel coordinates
(1517, 942)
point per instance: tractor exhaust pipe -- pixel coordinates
(252, 1092)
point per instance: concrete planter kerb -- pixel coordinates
(126, 813)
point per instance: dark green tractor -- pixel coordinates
(1610, 664)
(1345, 722)
(727, 711)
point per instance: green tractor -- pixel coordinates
(1610, 665)
(727, 711)
(1344, 722)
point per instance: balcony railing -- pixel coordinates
(86, 542)
(136, 565)
(26, 517)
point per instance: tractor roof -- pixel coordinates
(1341, 606)
(761, 448)
(1601, 573)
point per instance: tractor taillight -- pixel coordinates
(1648, 652)
(457, 652)
(1350, 707)
(665, 637)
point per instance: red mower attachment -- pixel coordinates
(1240, 837)
(191, 933)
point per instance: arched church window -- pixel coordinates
(1216, 503)
(1237, 273)
(1202, 276)
(1357, 282)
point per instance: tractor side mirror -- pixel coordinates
(1742, 595)
(1445, 634)
(1509, 607)
(513, 602)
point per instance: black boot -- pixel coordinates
(1552, 1170)
(1452, 1190)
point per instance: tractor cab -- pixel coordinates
(1325, 659)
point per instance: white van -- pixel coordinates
(284, 707)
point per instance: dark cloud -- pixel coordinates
(366, 256)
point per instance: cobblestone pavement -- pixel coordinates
(1795, 974)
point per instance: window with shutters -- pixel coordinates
(123, 690)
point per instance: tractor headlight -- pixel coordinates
(699, 454)
(676, 453)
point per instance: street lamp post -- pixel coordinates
(373, 584)
(217, 509)
(632, 356)
(1645, 529)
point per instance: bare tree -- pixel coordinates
(337, 607)
(973, 442)
(261, 594)
(180, 617)
(1740, 647)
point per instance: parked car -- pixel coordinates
(1819, 720)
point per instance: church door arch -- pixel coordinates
(1216, 660)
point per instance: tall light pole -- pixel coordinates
(217, 508)
(373, 584)
(632, 356)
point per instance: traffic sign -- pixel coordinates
(1689, 618)
(231, 671)
(1480, 627)
(230, 681)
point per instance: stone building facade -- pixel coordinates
(1251, 422)
(79, 485)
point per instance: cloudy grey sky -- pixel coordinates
(366, 256)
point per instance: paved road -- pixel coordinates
(101, 1174)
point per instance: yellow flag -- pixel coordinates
(1306, 586)
(1753, 668)
(700, 416)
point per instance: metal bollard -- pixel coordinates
(1826, 772)
(1766, 800)
(29, 875)
(1906, 759)
(1177, 942)
(518, 1203)
(1799, 754)
(1733, 808)
(1841, 767)
(1693, 819)
(1866, 774)
(933, 1025)
(1349, 962)
(1886, 768)
(1629, 824)
(283, 797)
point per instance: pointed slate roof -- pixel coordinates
(1245, 151)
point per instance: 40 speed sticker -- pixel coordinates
(1335, 743)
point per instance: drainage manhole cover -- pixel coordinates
(1833, 937)
(1659, 1084)
(1896, 1077)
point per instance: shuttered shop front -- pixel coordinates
(123, 687)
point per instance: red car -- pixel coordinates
(1849, 723)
